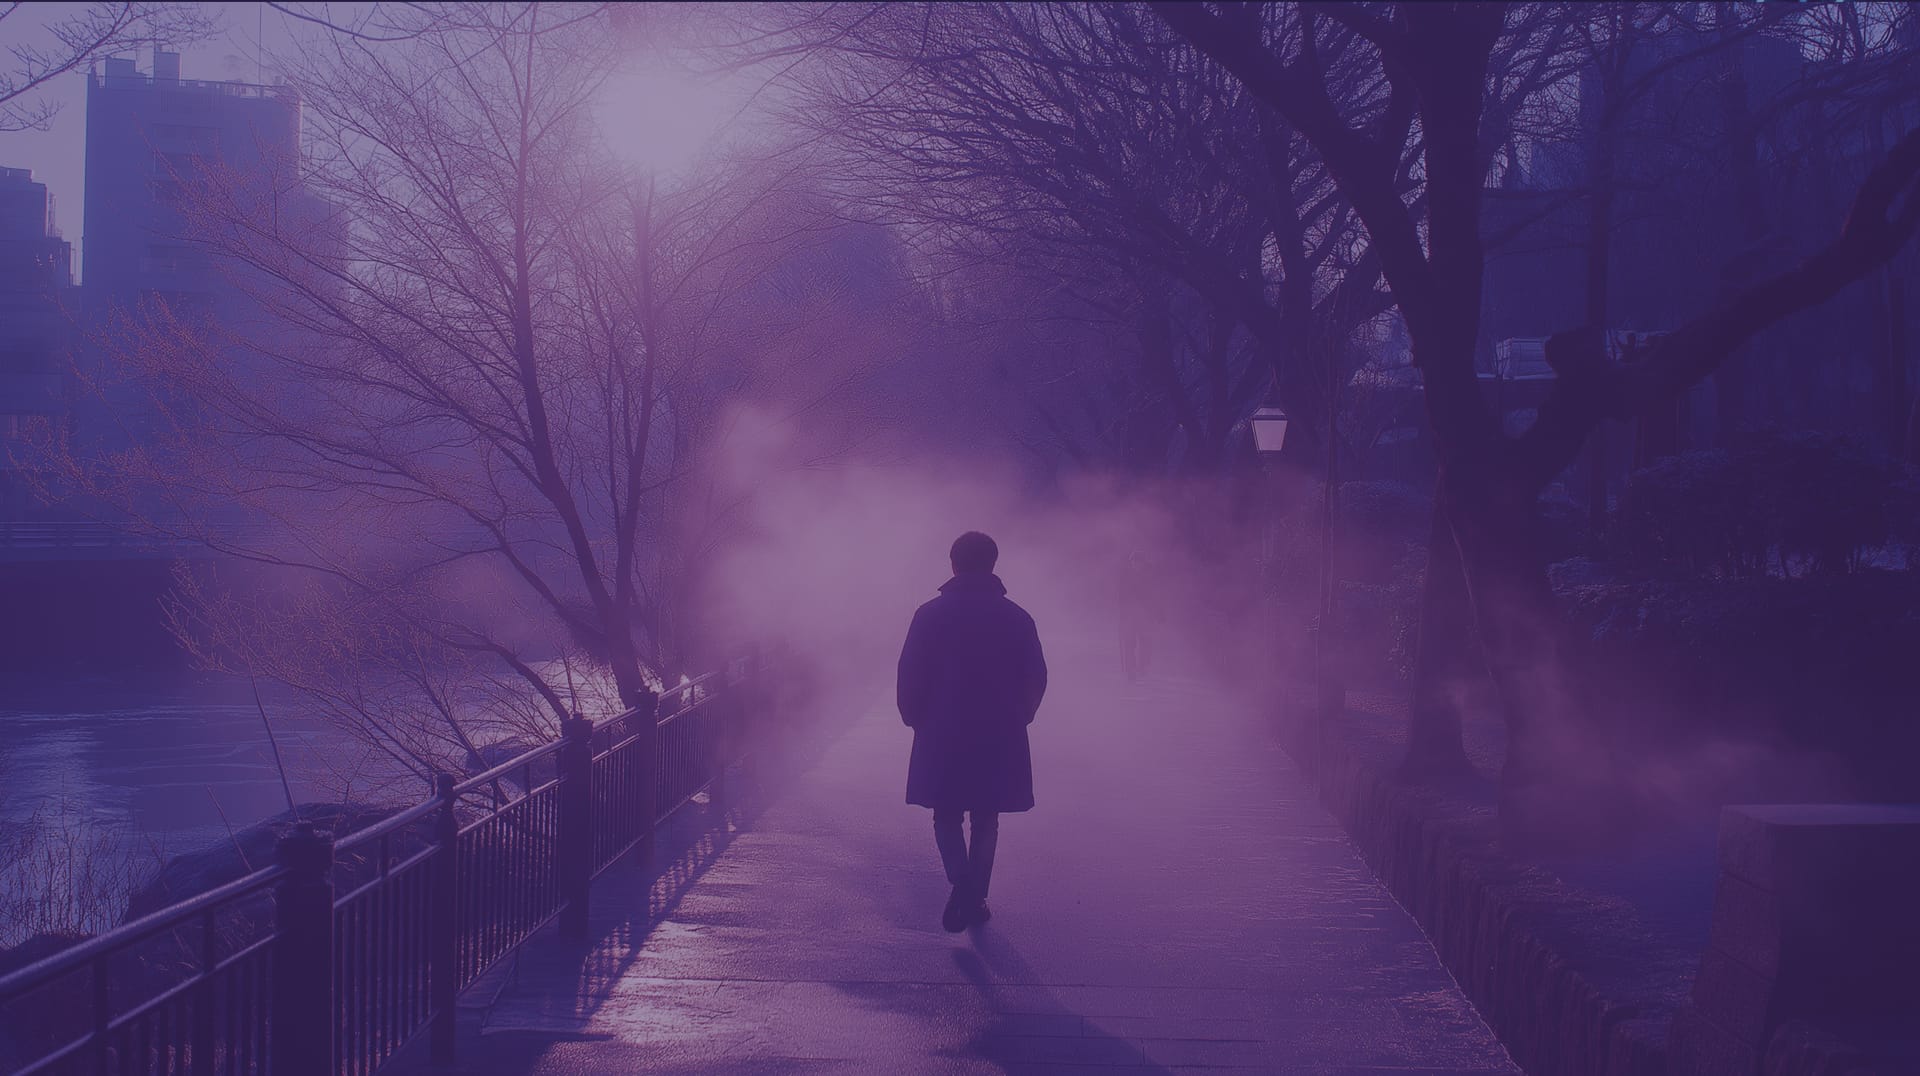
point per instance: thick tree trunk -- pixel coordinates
(1557, 781)
(1447, 662)
(1599, 277)
(1913, 431)
(1658, 432)
(1731, 383)
(1892, 337)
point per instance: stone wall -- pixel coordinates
(1569, 981)
(1572, 981)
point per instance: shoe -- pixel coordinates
(981, 913)
(957, 915)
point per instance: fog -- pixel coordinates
(832, 563)
(474, 367)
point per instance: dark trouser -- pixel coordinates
(972, 870)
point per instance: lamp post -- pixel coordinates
(1329, 687)
(1269, 426)
(1330, 693)
(1269, 437)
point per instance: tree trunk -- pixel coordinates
(1557, 777)
(1657, 432)
(1896, 389)
(1731, 380)
(1447, 662)
(1913, 431)
(1599, 269)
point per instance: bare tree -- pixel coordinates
(1435, 60)
(79, 35)
(1115, 160)
(478, 362)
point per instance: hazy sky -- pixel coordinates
(656, 116)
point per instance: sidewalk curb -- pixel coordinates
(1492, 921)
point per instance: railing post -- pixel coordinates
(720, 741)
(575, 851)
(201, 1051)
(302, 1023)
(443, 954)
(753, 711)
(646, 763)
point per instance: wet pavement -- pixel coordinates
(1176, 902)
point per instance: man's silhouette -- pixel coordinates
(971, 678)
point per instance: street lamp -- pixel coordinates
(1269, 425)
(1269, 436)
(1328, 685)
(1269, 431)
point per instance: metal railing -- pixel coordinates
(333, 959)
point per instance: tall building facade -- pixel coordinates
(36, 276)
(148, 137)
(153, 140)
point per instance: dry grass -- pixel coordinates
(63, 870)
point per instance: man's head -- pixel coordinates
(974, 552)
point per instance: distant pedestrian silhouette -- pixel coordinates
(971, 679)
(1139, 609)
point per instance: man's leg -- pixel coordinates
(986, 838)
(952, 844)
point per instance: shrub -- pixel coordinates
(1804, 501)
(1826, 499)
(1817, 663)
(1379, 622)
(1390, 510)
(1562, 528)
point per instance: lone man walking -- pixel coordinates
(971, 679)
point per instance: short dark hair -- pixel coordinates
(974, 552)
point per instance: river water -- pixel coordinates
(169, 760)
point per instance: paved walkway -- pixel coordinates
(1177, 902)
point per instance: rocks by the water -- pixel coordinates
(192, 873)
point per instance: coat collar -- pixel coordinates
(974, 583)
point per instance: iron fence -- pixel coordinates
(336, 957)
(176, 991)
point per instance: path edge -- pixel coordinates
(1493, 922)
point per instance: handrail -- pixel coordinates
(52, 967)
(369, 958)
(422, 810)
(385, 826)
(527, 759)
(685, 710)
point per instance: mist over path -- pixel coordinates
(1176, 900)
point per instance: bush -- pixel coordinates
(1562, 527)
(1819, 664)
(1798, 502)
(1379, 622)
(1389, 510)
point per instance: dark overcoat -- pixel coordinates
(971, 678)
